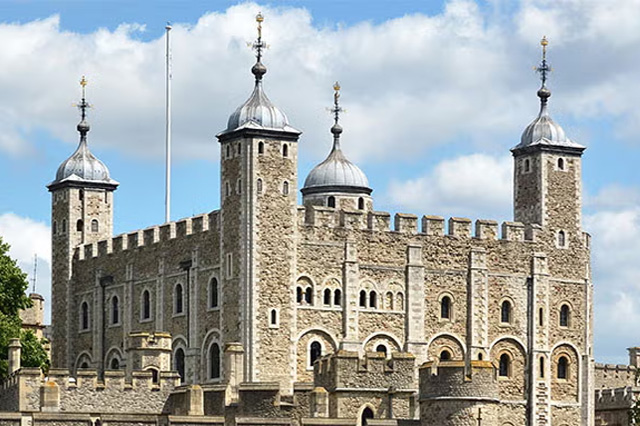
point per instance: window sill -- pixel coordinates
(181, 314)
(116, 325)
(84, 331)
(216, 309)
(145, 320)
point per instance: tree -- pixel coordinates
(13, 283)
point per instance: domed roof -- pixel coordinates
(82, 165)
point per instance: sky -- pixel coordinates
(436, 94)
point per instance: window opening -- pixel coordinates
(315, 352)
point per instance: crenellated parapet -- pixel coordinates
(171, 231)
(345, 369)
(616, 399)
(611, 376)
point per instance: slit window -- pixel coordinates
(146, 305)
(562, 240)
(115, 310)
(213, 293)
(178, 299)
(505, 312)
(84, 316)
(273, 317)
(285, 150)
(361, 203)
(260, 147)
(445, 308)
(285, 188)
(564, 316)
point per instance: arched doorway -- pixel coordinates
(367, 414)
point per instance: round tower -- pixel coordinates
(337, 182)
(81, 213)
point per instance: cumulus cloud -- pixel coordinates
(475, 186)
(29, 238)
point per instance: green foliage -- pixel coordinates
(13, 283)
(634, 413)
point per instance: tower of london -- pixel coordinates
(267, 311)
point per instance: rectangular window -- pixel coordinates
(229, 265)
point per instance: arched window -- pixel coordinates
(562, 240)
(331, 201)
(445, 355)
(389, 300)
(146, 305)
(178, 308)
(367, 414)
(285, 150)
(94, 225)
(260, 147)
(337, 297)
(115, 364)
(541, 367)
(214, 361)
(363, 299)
(285, 188)
(308, 296)
(361, 203)
(480, 356)
(84, 316)
(259, 186)
(115, 310)
(213, 293)
(179, 363)
(79, 225)
(299, 295)
(315, 352)
(505, 312)
(273, 317)
(400, 302)
(445, 307)
(326, 298)
(560, 163)
(373, 299)
(563, 368)
(527, 165)
(382, 348)
(84, 365)
(564, 315)
(505, 362)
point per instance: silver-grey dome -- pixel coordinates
(258, 112)
(544, 131)
(83, 166)
(337, 173)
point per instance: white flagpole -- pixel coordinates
(167, 215)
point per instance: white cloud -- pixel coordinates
(476, 186)
(614, 196)
(28, 238)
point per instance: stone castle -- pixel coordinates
(325, 313)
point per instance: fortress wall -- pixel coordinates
(612, 376)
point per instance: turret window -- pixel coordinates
(285, 188)
(285, 150)
(55, 228)
(228, 151)
(331, 201)
(259, 186)
(260, 147)
(505, 312)
(505, 366)
(239, 149)
(94, 225)
(79, 225)
(541, 367)
(565, 313)
(526, 165)
(64, 226)
(561, 164)
(445, 308)
(562, 239)
(274, 319)
(361, 203)
(81, 194)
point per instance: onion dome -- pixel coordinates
(543, 131)
(82, 166)
(258, 112)
(336, 173)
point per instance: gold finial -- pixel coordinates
(83, 82)
(336, 86)
(259, 18)
(544, 42)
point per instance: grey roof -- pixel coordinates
(543, 131)
(258, 113)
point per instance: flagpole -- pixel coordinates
(167, 214)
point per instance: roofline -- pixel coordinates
(55, 185)
(555, 149)
(288, 135)
(336, 188)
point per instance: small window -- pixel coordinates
(79, 225)
(480, 356)
(285, 188)
(389, 300)
(373, 299)
(55, 228)
(227, 189)
(239, 149)
(84, 316)
(115, 310)
(382, 348)
(94, 225)
(308, 296)
(505, 364)
(273, 317)
(561, 239)
(505, 312)
(214, 361)
(563, 368)
(239, 186)
(260, 147)
(337, 297)
(81, 194)
(361, 203)
(445, 355)
(326, 299)
(541, 367)
(540, 317)
(146, 305)
(228, 151)
(213, 293)
(564, 315)
(64, 226)
(400, 302)
(285, 150)
(84, 365)
(363, 299)
(179, 363)
(106, 197)
(315, 352)
(229, 265)
(527, 165)
(299, 295)
(178, 308)
(445, 308)
(259, 186)
(560, 163)
(155, 376)
(115, 364)
(331, 201)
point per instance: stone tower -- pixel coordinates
(81, 212)
(258, 156)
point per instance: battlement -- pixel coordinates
(611, 376)
(615, 399)
(461, 228)
(453, 379)
(345, 369)
(149, 236)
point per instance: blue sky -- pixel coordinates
(429, 87)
